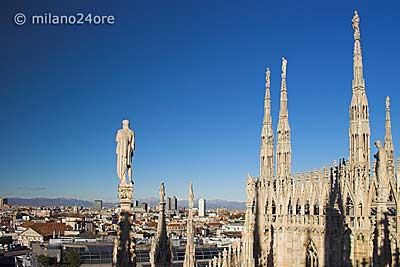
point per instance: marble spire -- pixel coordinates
(283, 143)
(249, 225)
(161, 253)
(190, 259)
(267, 134)
(388, 140)
(359, 130)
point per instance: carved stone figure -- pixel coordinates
(381, 163)
(125, 193)
(162, 193)
(125, 149)
(284, 64)
(356, 25)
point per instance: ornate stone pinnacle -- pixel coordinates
(387, 102)
(356, 25)
(284, 64)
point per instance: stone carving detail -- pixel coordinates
(162, 193)
(356, 25)
(125, 192)
(381, 163)
(284, 64)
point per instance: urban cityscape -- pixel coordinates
(342, 213)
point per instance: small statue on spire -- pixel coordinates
(162, 193)
(284, 63)
(356, 25)
(381, 163)
(191, 195)
(268, 78)
(387, 102)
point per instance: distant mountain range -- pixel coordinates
(211, 204)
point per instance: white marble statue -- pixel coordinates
(284, 64)
(125, 149)
(356, 25)
(381, 163)
(162, 193)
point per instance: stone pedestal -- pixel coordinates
(124, 245)
(125, 195)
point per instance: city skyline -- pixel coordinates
(195, 101)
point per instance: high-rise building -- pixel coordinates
(98, 204)
(3, 202)
(169, 203)
(202, 207)
(174, 203)
(145, 207)
(136, 203)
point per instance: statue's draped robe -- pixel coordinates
(125, 147)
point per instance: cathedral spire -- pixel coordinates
(358, 79)
(267, 134)
(161, 253)
(249, 224)
(359, 130)
(283, 144)
(388, 139)
(190, 259)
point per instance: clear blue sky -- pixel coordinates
(190, 77)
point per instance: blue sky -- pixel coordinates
(190, 77)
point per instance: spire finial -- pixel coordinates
(267, 78)
(284, 64)
(387, 102)
(162, 193)
(356, 25)
(191, 194)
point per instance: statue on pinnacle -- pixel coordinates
(125, 149)
(356, 25)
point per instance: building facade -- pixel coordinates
(202, 207)
(342, 215)
(3, 202)
(98, 204)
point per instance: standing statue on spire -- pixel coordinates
(125, 148)
(356, 25)
(387, 102)
(284, 63)
(381, 164)
(267, 78)
(162, 193)
(191, 195)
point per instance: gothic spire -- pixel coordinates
(388, 139)
(283, 144)
(161, 253)
(190, 259)
(359, 130)
(267, 134)
(249, 224)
